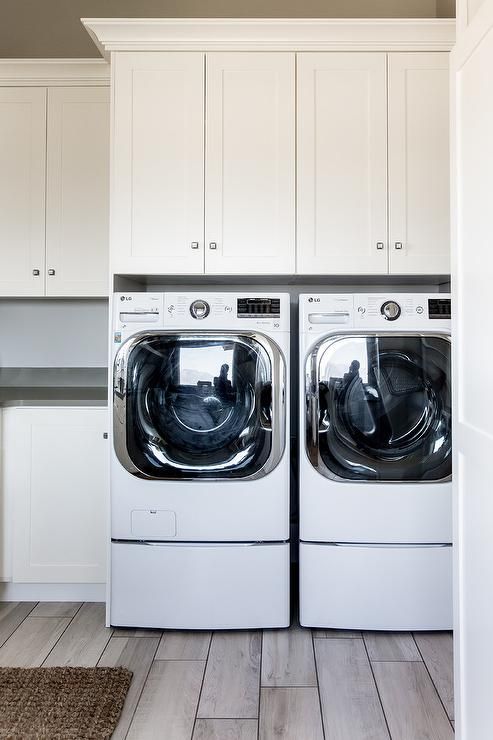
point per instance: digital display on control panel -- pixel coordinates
(248, 307)
(439, 308)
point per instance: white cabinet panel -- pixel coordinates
(342, 163)
(472, 277)
(250, 163)
(158, 163)
(77, 215)
(56, 478)
(419, 163)
(22, 191)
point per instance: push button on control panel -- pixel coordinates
(390, 310)
(199, 309)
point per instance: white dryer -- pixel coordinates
(375, 462)
(199, 468)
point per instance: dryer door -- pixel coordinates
(199, 406)
(379, 407)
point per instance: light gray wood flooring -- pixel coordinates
(297, 684)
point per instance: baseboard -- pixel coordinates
(52, 592)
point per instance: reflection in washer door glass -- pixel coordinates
(198, 407)
(381, 408)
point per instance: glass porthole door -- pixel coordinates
(199, 406)
(379, 408)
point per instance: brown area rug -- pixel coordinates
(61, 703)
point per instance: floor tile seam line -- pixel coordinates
(337, 638)
(70, 620)
(239, 717)
(21, 622)
(289, 686)
(177, 660)
(322, 718)
(375, 682)
(206, 662)
(434, 685)
(145, 637)
(105, 646)
(396, 660)
(259, 703)
(229, 719)
(151, 662)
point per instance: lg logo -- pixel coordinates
(314, 300)
(125, 297)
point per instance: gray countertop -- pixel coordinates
(46, 396)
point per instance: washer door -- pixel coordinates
(199, 406)
(379, 407)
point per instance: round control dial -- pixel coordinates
(199, 309)
(390, 310)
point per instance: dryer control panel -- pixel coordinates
(334, 313)
(403, 310)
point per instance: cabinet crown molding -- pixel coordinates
(272, 34)
(53, 72)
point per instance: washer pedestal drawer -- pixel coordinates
(199, 586)
(376, 587)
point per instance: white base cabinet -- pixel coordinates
(55, 488)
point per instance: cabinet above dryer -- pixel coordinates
(315, 147)
(373, 163)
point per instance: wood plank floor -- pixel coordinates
(295, 684)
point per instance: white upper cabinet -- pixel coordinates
(250, 163)
(419, 161)
(158, 163)
(22, 191)
(342, 163)
(77, 207)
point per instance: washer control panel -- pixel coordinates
(258, 307)
(228, 311)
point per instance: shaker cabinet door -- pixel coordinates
(22, 191)
(419, 163)
(77, 198)
(342, 163)
(56, 482)
(157, 208)
(250, 163)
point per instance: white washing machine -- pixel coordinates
(375, 462)
(199, 467)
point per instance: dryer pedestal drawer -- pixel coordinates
(199, 586)
(376, 587)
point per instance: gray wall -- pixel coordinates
(53, 333)
(52, 28)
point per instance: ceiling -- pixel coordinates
(51, 28)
